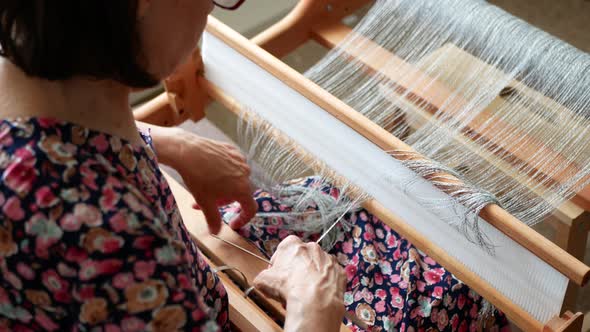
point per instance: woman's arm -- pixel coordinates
(311, 283)
(215, 173)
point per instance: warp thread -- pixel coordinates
(481, 92)
(277, 161)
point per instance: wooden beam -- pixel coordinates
(244, 313)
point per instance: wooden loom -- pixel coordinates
(188, 92)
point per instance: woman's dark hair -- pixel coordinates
(60, 39)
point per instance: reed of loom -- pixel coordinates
(187, 94)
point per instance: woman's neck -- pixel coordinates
(99, 105)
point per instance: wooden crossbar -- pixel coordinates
(295, 29)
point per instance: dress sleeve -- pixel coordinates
(116, 271)
(134, 276)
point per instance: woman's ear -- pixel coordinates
(142, 7)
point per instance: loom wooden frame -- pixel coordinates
(188, 92)
(320, 21)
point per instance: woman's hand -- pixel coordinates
(310, 281)
(215, 173)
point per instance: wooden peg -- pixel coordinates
(184, 95)
(183, 99)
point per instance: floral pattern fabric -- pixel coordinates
(392, 286)
(91, 238)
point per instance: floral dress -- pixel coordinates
(392, 286)
(91, 238)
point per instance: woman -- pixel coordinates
(90, 235)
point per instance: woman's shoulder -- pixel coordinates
(64, 142)
(33, 149)
(49, 166)
(62, 184)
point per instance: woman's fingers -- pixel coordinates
(233, 151)
(269, 284)
(249, 208)
(212, 215)
(303, 273)
(247, 170)
(290, 242)
(209, 202)
(237, 155)
(229, 146)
